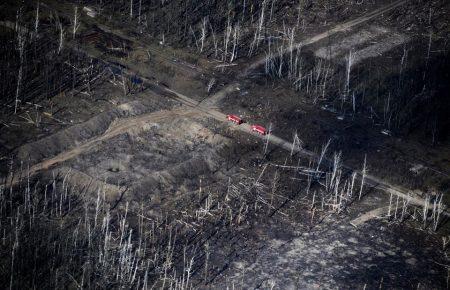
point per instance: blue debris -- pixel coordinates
(117, 70)
(136, 80)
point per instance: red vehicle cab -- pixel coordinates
(235, 119)
(259, 129)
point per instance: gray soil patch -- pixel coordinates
(156, 160)
(369, 42)
(335, 255)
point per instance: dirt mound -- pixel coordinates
(156, 159)
(80, 133)
(85, 183)
(162, 186)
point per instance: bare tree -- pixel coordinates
(215, 40)
(211, 84)
(61, 37)
(300, 4)
(236, 36)
(139, 11)
(36, 22)
(203, 34)
(271, 9)
(258, 30)
(20, 48)
(227, 35)
(266, 145)
(131, 9)
(76, 23)
(349, 69)
(363, 177)
(243, 10)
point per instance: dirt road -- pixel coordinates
(336, 29)
(117, 128)
(260, 61)
(204, 108)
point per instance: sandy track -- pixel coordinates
(118, 127)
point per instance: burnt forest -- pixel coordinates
(225, 144)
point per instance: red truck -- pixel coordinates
(235, 119)
(259, 129)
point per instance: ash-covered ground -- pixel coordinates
(120, 169)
